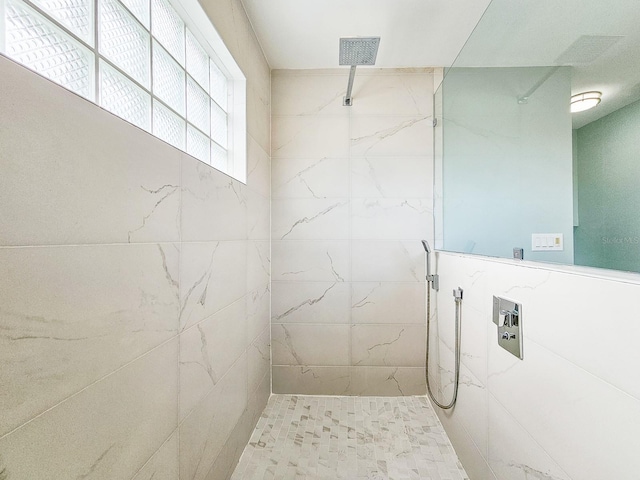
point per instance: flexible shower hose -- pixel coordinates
(456, 353)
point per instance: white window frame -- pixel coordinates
(198, 23)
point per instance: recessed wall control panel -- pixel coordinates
(507, 315)
(547, 242)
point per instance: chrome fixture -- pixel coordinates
(507, 315)
(357, 51)
(433, 280)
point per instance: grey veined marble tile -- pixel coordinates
(368, 438)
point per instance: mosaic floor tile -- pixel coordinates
(352, 438)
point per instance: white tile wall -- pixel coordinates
(351, 202)
(570, 409)
(135, 289)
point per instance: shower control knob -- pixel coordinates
(508, 336)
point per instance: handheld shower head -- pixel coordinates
(426, 246)
(434, 280)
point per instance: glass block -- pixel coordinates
(168, 28)
(168, 126)
(218, 86)
(197, 105)
(140, 9)
(198, 144)
(218, 125)
(76, 15)
(124, 98)
(124, 41)
(168, 79)
(38, 44)
(219, 157)
(197, 61)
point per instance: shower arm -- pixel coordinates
(348, 101)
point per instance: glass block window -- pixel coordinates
(141, 61)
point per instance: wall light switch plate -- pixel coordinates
(547, 242)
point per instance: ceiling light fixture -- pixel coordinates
(585, 101)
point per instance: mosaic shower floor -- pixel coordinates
(354, 438)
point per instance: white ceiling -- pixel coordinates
(304, 34)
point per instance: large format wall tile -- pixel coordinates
(214, 206)
(295, 344)
(163, 465)
(311, 302)
(391, 177)
(387, 302)
(207, 351)
(310, 219)
(387, 261)
(402, 219)
(388, 136)
(387, 381)
(310, 178)
(204, 432)
(213, 275)
(305, 380)
(300, 94)
(310, 137)
(311, 261)
(387, 345)
(71, 315)
(127, 425)
(63, 187)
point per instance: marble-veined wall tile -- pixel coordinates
(163, 465)
(393, 94)
(71, 315)
(258, 216)
(298, 344)
(258, 311)
(259, 359)
(214, 206)
(387, 345)
(258, 168)
(387, 381)
(388, 302)
(305, 380)
(310, 177)
(311, 302)
(310, 261)
(387, 261)
(391, 177)
(390, 135)
(310, 219)
(513, 454)
(205, 431)
(60, 187)
(391, 219)
(309, 95)
(126, 422)
(207, 351)
(213, 275)
(569, 415)
(258, 264)
(310, 137)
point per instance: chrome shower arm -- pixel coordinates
(347, 101)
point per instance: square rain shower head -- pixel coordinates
(359, 50)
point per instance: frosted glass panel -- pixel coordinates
(219, 157)
(122, 97)
(197, 61)
(124, 41)
(197, 105)
(198, 144)
(218, 86)
(168, 28)
(76, 15)
(43, 47)
(140, 8)
(218, 125)
(168, 79)
(168, 126)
